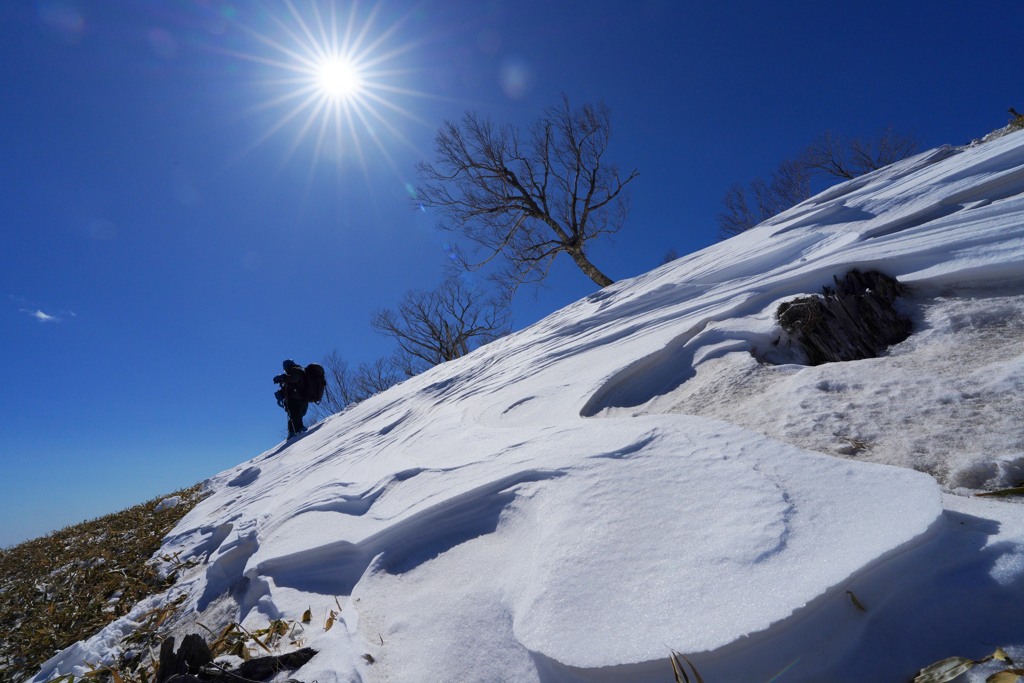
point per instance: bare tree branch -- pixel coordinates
(346, 386)
(790, 183)
(528, 200)
(431, 327)
(829, 155)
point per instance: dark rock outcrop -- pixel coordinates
(262, 668)
(192, 656)
(851, 321)
(193, 663)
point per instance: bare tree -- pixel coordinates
(339, 385)
(828, 156)
(439, 325)
(736, 216)
(373, 378)
(346, 386)
(528, 200)
(339, 393)
(788, 186)
(430, 327)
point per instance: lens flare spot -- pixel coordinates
(516, 78)
(62, 19)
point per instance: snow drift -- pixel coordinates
(628, 476)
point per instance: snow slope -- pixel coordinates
(631, 475)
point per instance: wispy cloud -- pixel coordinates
(28, 308)
(41, 316)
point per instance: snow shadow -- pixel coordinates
(329, 499)
(226, 571)
(355, 505)
(654, 375)
(552, 671)
(293, 440)
(665, 370)
(218, 534)
(335, 568)
(958, 580)
(835, 214)
(245, 477)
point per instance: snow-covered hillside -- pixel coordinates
(632, 475)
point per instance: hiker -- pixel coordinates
(292, 395)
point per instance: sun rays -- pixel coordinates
(335, 83)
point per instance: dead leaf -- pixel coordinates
(944, 670)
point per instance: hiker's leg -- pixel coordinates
(292, 421)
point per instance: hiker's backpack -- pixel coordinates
(315, 383)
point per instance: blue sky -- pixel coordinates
(174, 225)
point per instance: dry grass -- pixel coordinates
(66, 586)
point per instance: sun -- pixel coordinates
(338, 82)
(338, 78)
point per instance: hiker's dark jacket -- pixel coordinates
(293, 381)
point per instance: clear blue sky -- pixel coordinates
(175, 224)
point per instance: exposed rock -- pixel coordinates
(192, 664)
(851, 321)
(190, 658)
(262, 668)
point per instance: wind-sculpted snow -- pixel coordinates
(545, 510)
(335, 568)
(596, 556)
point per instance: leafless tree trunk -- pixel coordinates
(528, 200)
(435, 326)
